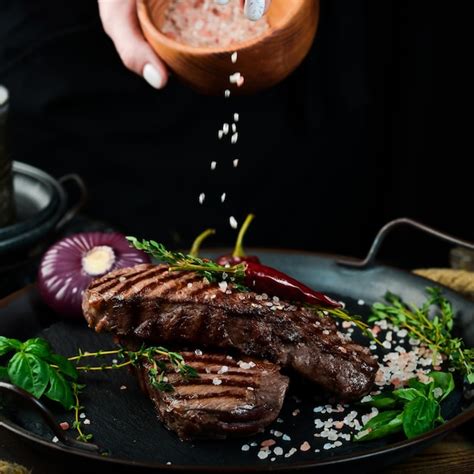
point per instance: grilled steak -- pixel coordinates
(230, 398)
(150, 303)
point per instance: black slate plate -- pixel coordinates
(125, 426)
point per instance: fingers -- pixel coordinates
(120, 22)
(255, 9)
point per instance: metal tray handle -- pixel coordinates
(387, 228)
(47, 416)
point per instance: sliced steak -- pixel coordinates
(230, 398)
(150, 303)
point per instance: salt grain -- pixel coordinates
(55, 439)
(223, 196)
(216, 381)
(361, 302)
(235, 163)
(213, 165)
(234, 138)
(245, 447)
(233, 57)
(202, 196)
(267, 443)
(224, 369)
(123, 387)
(233, 222)
(290, 452)
(87, 421)
(263, 453)
(278, 451)
(227, 93)
(82, 415)
(285, 437)
(225, 128)
(198, 352)
(64, 425)
(305, 446)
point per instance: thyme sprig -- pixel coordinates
(33, 366)
(432, 324)
(181, 262)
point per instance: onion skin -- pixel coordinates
(62, 278)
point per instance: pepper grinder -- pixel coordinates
(6, 179)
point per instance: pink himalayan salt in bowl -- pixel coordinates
(267, 50)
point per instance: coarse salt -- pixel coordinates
(236, 117)
(224, 369)
(245, 447)
(233, 222)
(233, 57)
(216, 381)
(213, 165)
(225, 128)
(236, 163)
(198, 352)
(227, 93)
(202, 196)
(305, 446)
(55, 439)
(87, 421)
(223, 196)
(234, 138)
(123, 387)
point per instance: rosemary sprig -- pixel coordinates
(181, 262)
(432, 323)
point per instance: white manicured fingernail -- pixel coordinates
(153, 76)
(254, 9)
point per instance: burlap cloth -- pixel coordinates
(461, 281)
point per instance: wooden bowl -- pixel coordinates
(263, 61)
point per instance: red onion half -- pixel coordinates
(71, 264)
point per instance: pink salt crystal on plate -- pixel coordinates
(64, 425)
(305, 446)
(267, 443)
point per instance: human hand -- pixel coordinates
(254, 9)
(120, 22)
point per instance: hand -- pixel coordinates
(253, 9)
(120, 22)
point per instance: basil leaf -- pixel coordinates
(419, 416)
(29, 372)
(382, 429)
(7, 345)
(382, 401)
(4, 374)
(424, 388)
(382, 419)
(64, 365)
(38, 347)
(470, 378)
(407, 394)
(444, 381)
(59, 389)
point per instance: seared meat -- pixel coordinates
(230, 398)
(150, 303)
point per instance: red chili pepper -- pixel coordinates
(268, 280)
(238, 255)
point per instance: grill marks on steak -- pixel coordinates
(239, 402)
(153, 304)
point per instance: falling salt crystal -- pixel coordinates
(236, 163)
(234, 127)
(233, 57)
(234, 138)
(227, 93)
(233, 223)
(220, 134)
(234, 78)
(223, 196)
(202, 196)
(225, 128)
(245, 447)
(213, 165)
(236, 117)
(55, 439)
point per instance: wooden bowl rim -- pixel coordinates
(145, 19)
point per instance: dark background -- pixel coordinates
(371, 127)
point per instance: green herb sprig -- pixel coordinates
(181, 262)
(33, 366)
(432, 324)
(413, 410)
